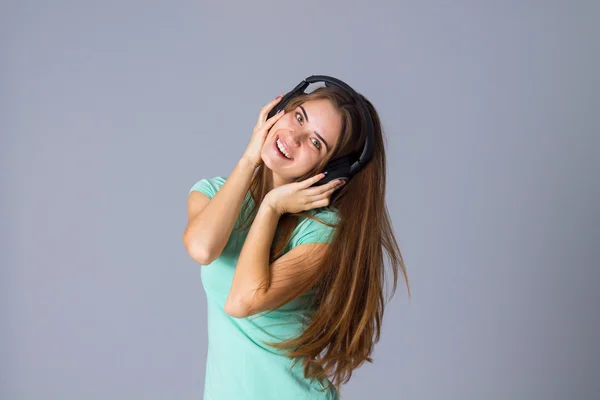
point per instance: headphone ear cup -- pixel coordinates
(337, 168)
(341, 161)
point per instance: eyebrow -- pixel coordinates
(316, 133)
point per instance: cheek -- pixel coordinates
(280, 124)
(312, 158)
(285, 121)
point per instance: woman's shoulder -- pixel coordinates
(312, 231)
(209, 186)
(329, 213)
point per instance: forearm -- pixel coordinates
(252, 270)
(208, 233)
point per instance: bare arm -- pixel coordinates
(207, 232)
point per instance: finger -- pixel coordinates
(320, 203)
(262, 115)
(313, 179)
(336, 183)
(271, 121)
(330, 186)
(267, 107)
(266, 126)
(325, 194)
(325, 191)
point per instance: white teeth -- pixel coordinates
(280, 146)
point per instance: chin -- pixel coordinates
(275, 171)
(267, 162)
(283, 173)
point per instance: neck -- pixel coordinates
(276, 181)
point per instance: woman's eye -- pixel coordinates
(300, 119)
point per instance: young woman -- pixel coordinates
(293, 269)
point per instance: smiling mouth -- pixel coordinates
(279, 151)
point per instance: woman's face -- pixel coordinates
(307, 134)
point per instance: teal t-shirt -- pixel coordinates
(239, 365)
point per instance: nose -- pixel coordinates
(296, 137)
(294, 140)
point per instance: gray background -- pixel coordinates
(111, 111)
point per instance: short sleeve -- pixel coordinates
(310, 231)
(209, 186)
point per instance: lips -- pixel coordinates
(279, 152)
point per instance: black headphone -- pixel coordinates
(347, 166)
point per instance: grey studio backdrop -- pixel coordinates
(111, 111)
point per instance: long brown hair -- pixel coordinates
(348, 281)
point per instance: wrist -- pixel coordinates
(270, 206)
(246, 163)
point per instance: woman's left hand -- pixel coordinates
(300, 196)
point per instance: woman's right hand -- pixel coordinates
(260, 132)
